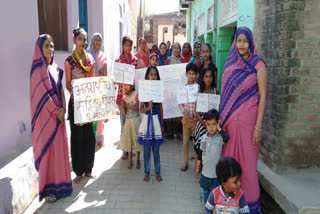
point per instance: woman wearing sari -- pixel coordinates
(242, 108)
(162, 54)
(186, 51)
(49, 138)
(196, 58)
(96, 49)
(80, 65)
(143, 53)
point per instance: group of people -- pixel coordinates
(226, 143)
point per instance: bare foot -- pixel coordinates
(146, 177)
(124, 156)
(89, 175)
(77, 179)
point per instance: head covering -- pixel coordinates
(45, 101)
(142, 55)
(189, 55)
(162, 58)
(239, 80)
(98, 56)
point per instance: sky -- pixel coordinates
(161, 6)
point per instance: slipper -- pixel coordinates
(51, 198)
(184, 167)
(77, 179)
(146, 177)
(158, 177)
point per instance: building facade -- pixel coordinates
(110, 18)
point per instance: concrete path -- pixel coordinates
(119, 190)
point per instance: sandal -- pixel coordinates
(146, 177)
(138, 164)
(90, 176)
(124, 156)
(184, 167)
(158, 177)
(51, 198)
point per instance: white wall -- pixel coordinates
(95, 17)
(17, 40)
(73, 20)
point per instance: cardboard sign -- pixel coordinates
(187, 94)
(94, 99)
(206, 102)
(123, 73)
(151, 90)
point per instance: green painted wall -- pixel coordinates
(221, 37)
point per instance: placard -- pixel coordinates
(187, 94)
(206, 102)
(94, 99)
(151, 90)
(123, 73)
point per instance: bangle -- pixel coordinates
(256, 128)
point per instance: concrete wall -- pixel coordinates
(287, 37)
(20, 31)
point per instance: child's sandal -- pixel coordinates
(146, 177)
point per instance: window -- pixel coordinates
(52, 17)
(210, 18)
(228, 11)
(200, 25)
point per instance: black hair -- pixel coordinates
(209, 46)
(78, 31)
(202, 73)
(162, 43)
(148, 71)
(191, 66)
(212, 114)
(226, 168)
(126, 38)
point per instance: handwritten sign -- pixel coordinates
(206, 102)
(123, 73)
(173, 77)
(151, 90)
(94, 99)
(187, 94)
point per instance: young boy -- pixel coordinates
(189, 120)
(210, 150)
(228, 197)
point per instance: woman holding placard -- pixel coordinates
(100, 69)
(80, 65)
(242, 108)
(127, 58)
(49, 136)
(174, 125)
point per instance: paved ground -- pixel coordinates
(119, 190)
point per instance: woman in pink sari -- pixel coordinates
(242, 108)
(100, 68)
(143, 53)
(49, 139)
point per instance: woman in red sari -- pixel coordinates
(49, 138)
(186, 51)
(143, 53)
(242, 108)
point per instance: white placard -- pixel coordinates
(94, 99)
(173, 76)
(205, 102)
(151, 90)
(187, 94)
(123, 73)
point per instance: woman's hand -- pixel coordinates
(61, 114)
(257, 136)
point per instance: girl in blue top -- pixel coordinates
(151, 128)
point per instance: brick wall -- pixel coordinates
(287, 34)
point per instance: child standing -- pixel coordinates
(207, 85)
(210, 150)
(154, 60)
(189, 119)
(130, 108)
(151, 128)
(228, 197)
